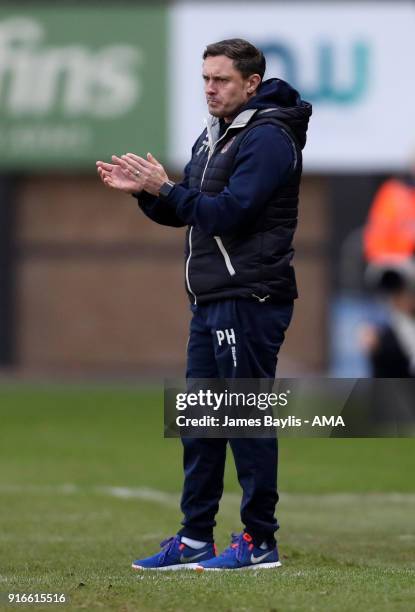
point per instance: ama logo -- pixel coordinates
(329, 64)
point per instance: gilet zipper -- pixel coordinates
(218, 239)
(187, 266)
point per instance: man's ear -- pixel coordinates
(253, 83)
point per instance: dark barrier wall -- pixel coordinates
(100, 287)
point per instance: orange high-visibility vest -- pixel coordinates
(389, 234)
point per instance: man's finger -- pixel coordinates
(139, 160)
(118, 160)
(153, 160)
(131, 169)
(131, 173)
(137, 167)
(102, 174)
(108, 182)
(127, 161)
(128, 169)
(104, 165)
(133, 156)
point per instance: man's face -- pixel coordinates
(225, 88)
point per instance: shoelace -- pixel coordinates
(238, 542)
(166, 546)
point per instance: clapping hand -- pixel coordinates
(132, 174)
(149, 171)
(113, 175)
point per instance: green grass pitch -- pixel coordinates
(87, 484)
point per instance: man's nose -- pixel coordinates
(210, 87)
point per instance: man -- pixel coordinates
(239, 199)
(389, 248)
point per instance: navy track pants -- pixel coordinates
(233, 338)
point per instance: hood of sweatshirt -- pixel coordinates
(286, 101)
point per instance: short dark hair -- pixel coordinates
(246, 58)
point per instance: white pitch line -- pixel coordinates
(142, 493)
(172, 499)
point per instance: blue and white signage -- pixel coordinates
(353, 61)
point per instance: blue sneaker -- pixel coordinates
(175, 555)
(242, 554)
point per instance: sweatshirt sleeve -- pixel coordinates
(263, 163)
(157, 210)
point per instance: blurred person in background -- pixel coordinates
(239, 199)
(389, 246)
(391, 346)
(389, 234)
